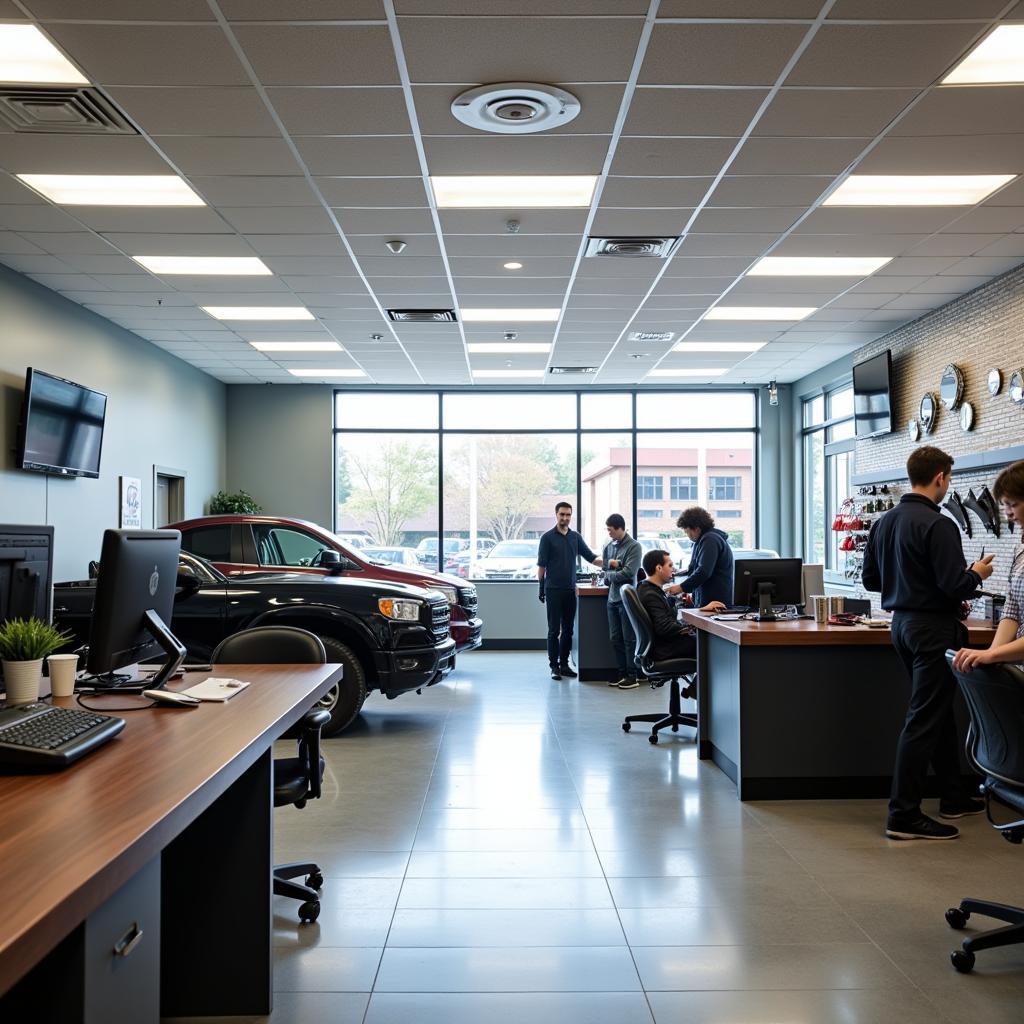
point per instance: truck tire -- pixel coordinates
(344, 700)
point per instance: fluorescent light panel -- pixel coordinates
(482, 374)
(327, 373)
(500, 347)
(759, 312)
(296, 346)
(497, 316)
(232, 266)
(113, 189)
(997, 59)
(689, 372)
(818, 266)
(516, 190)
(916, 189)
(26, 55)
(718, 346)
(258, 312)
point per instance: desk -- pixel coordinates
(802, 710)
(595, 658)
(193, 788)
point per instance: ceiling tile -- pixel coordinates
(75, 154)
(375, 245)
(373, 192)
(503, 279)
(948, 154)
(726, 220)
(725, 245)
(150, 54)
(36, 218)
(761, 190)
(341, 111)
(930, 10)
(797, 156)
(673, 193)
(520, 49)
(881, 55)
(196, 111)
(150, 219)
(279, 219)
(234, 190)
(394, 223)
(128, 10)
(296, 245)
(714, 112)
(514, 247)
(832, 113)
(837, 220)
(528, 154)
(963, 110)
(207, 156)
(319, 54)
(301, 10)
(666, 156)
(58, 242)
(354, 157)
(530, 222)
(544, 7)
(739, 8)
(718, 54)
(878, 244)
(639, 222)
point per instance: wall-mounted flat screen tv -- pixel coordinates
(872, 403)
(61, 426)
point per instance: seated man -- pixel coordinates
(672, 639)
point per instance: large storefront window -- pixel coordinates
(466, 482)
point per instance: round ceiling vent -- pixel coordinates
(515, 108)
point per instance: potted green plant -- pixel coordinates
(23, 645)
(239, 503)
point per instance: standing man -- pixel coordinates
(557, 554)
(710, 576)
(621, 558)
(915, 559)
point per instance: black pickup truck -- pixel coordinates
(390, 637)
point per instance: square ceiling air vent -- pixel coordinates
(422, 316)
(652, 336)
(577, 370)
(61, 111)
(632, 247)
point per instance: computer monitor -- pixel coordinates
(26, 572)
(135, 589)
(762, 583)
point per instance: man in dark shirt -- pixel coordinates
(710, 576)
(557, 554)
(915, 559)
(671, 638)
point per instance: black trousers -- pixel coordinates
(929, 732)
(623, 641)
(561, 606)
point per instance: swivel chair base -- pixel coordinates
(283, 874)
(675, 716)
(956, 917)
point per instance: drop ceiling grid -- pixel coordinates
(829, 100)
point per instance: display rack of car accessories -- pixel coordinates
(870, 503)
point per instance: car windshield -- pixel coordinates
(385, 554)
(513, 549)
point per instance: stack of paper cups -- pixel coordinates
(820, 602)
(836, 605)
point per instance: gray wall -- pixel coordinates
(159, 412)
(775, 510)
(279, 448)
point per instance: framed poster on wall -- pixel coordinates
(130, 517)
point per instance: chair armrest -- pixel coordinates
(309, 727)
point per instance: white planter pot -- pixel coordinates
(22, 679)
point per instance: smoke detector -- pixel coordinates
(515, 108)
(632, 247)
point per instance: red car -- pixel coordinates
(241, 545)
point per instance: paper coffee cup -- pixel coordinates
(62, 674)
(820, 603)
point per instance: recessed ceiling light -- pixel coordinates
(113, 189)
(916, 189)
(502, 347)
(483, 316)
(513, 266)
(26, 55)
(817, 266)
(258, 312)
(759, 312)
(327, 373)
(507, 373)
(718, 346)
(296, 346)
(502, 191)
(689, 372)
(235, 266)
(998, 58)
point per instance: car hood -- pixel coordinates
(291, 579)
(422, 578)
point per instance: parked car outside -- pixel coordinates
(507, 560)
(389, 636)
(240, 545)
(392, 555)
(462, 558)
(355, 540)
(678, 548)
(426, 550)
(738, 553)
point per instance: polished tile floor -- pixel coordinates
(497, 850)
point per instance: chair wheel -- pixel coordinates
(653, 738)
(625, 726)
(962, 960)
(675, 728)
(957, 918)
(315, 880)
(309, 911)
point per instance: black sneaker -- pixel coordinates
(962, 808)
(555, 674)
(921, 827)
(629, 684)
(567, 672)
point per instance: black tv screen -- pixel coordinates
(872, 404)
(62, 426)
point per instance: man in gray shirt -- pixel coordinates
(621, 558)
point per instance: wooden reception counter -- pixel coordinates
(799, 709)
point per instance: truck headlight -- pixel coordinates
(450, 594)
(398, 608)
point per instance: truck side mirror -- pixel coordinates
(187, 581)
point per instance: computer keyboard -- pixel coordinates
(42, 738)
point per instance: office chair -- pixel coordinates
(296, 779)
(658, 672)
(995, 746)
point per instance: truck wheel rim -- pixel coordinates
(329, 699)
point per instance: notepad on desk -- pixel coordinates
(216, 689)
